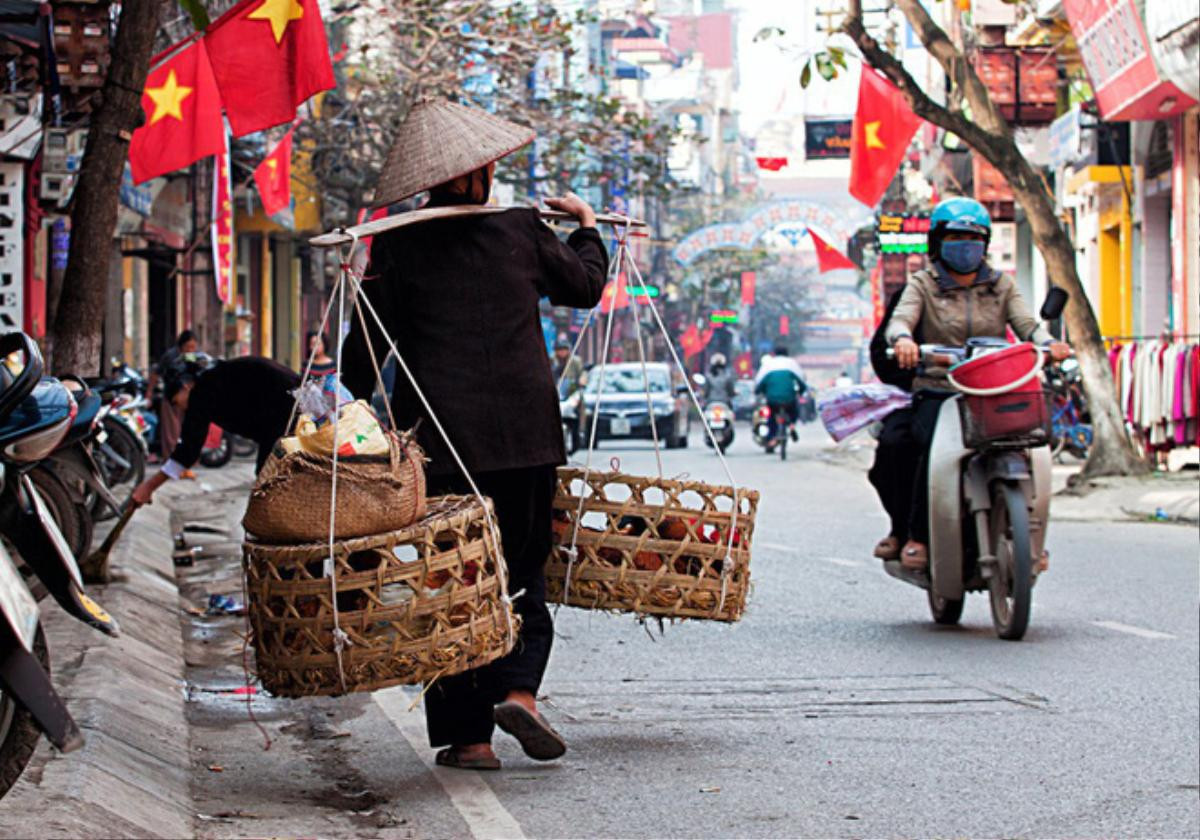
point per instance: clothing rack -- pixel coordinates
(1168, 336)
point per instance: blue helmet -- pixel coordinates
(961, 214)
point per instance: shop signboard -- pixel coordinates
(1116, 52)
(902, 234)
(1066, 136)
(827, 139)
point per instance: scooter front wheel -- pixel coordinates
(945, 610)
(1011, 582)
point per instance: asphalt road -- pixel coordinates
(835, 708)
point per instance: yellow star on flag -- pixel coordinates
(279, 13)
(871, 135)
(168, 98)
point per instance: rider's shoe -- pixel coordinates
(888, 548)
(795, 437)
(915, 556)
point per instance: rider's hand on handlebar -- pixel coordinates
(908, 354)
(1060, 350)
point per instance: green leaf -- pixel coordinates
(825, 66)
(197, 12)
(838, 55)
(806, 75)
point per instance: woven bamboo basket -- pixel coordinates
(415, 604)
(651, 546)
(376, 493)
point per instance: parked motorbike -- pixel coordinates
(36, 413)
(989, 485)
(1070, 430)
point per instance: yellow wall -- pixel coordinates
(1114, 306)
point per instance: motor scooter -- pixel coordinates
(36, 413)
(989, 488)
(718, 414)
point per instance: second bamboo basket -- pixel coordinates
(651, 546)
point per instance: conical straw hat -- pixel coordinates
(441, 140)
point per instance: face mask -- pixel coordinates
(963, 256)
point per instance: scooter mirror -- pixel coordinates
(699, 379)
(1055, 303)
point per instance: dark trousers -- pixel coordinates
(900, 473)
(458, 709)
(896, 458)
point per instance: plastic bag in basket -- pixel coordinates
(851, 408)
(358, 433)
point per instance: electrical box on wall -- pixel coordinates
(12, 246)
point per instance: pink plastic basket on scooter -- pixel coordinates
(1003, 397)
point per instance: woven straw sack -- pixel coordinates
(375, 494)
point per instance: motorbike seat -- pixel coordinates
(89, 406)
(48, 405)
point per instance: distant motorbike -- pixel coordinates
(771, 434)
(989, 482)
(720, 419)
(36, 414)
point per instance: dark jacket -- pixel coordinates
(250, 397)
(888, 370)
(460, 298)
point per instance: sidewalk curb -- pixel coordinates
(132, 778)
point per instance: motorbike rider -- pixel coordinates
(719, 386)
(781, 383)
(567, 367)
(250, 397)
(958, 298)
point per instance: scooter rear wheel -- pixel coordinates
(1011, 583)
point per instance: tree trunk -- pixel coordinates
(1112, 452)
(79, 321)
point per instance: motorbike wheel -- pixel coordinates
(19, 732)
(1011, 583)
(244, 448)
(219, 455)
(69, 512)
(125, 445)
(944, 610)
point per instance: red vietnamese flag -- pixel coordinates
(615, 295)
(269, 56)
(772, 164)
(744, 365)
(273, 177)
(828, 257)
(749, 279)
(183, 116)
(883, 127)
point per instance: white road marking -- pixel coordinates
(777, 546)
(841, 561)
(471, 796)
(1131, 630)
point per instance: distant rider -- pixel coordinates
(719, 386)
(781, 383)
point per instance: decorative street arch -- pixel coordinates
(834, 224)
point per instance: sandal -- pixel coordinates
(888, 548)
(537, 736)
(450, 757)
(915, 556)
